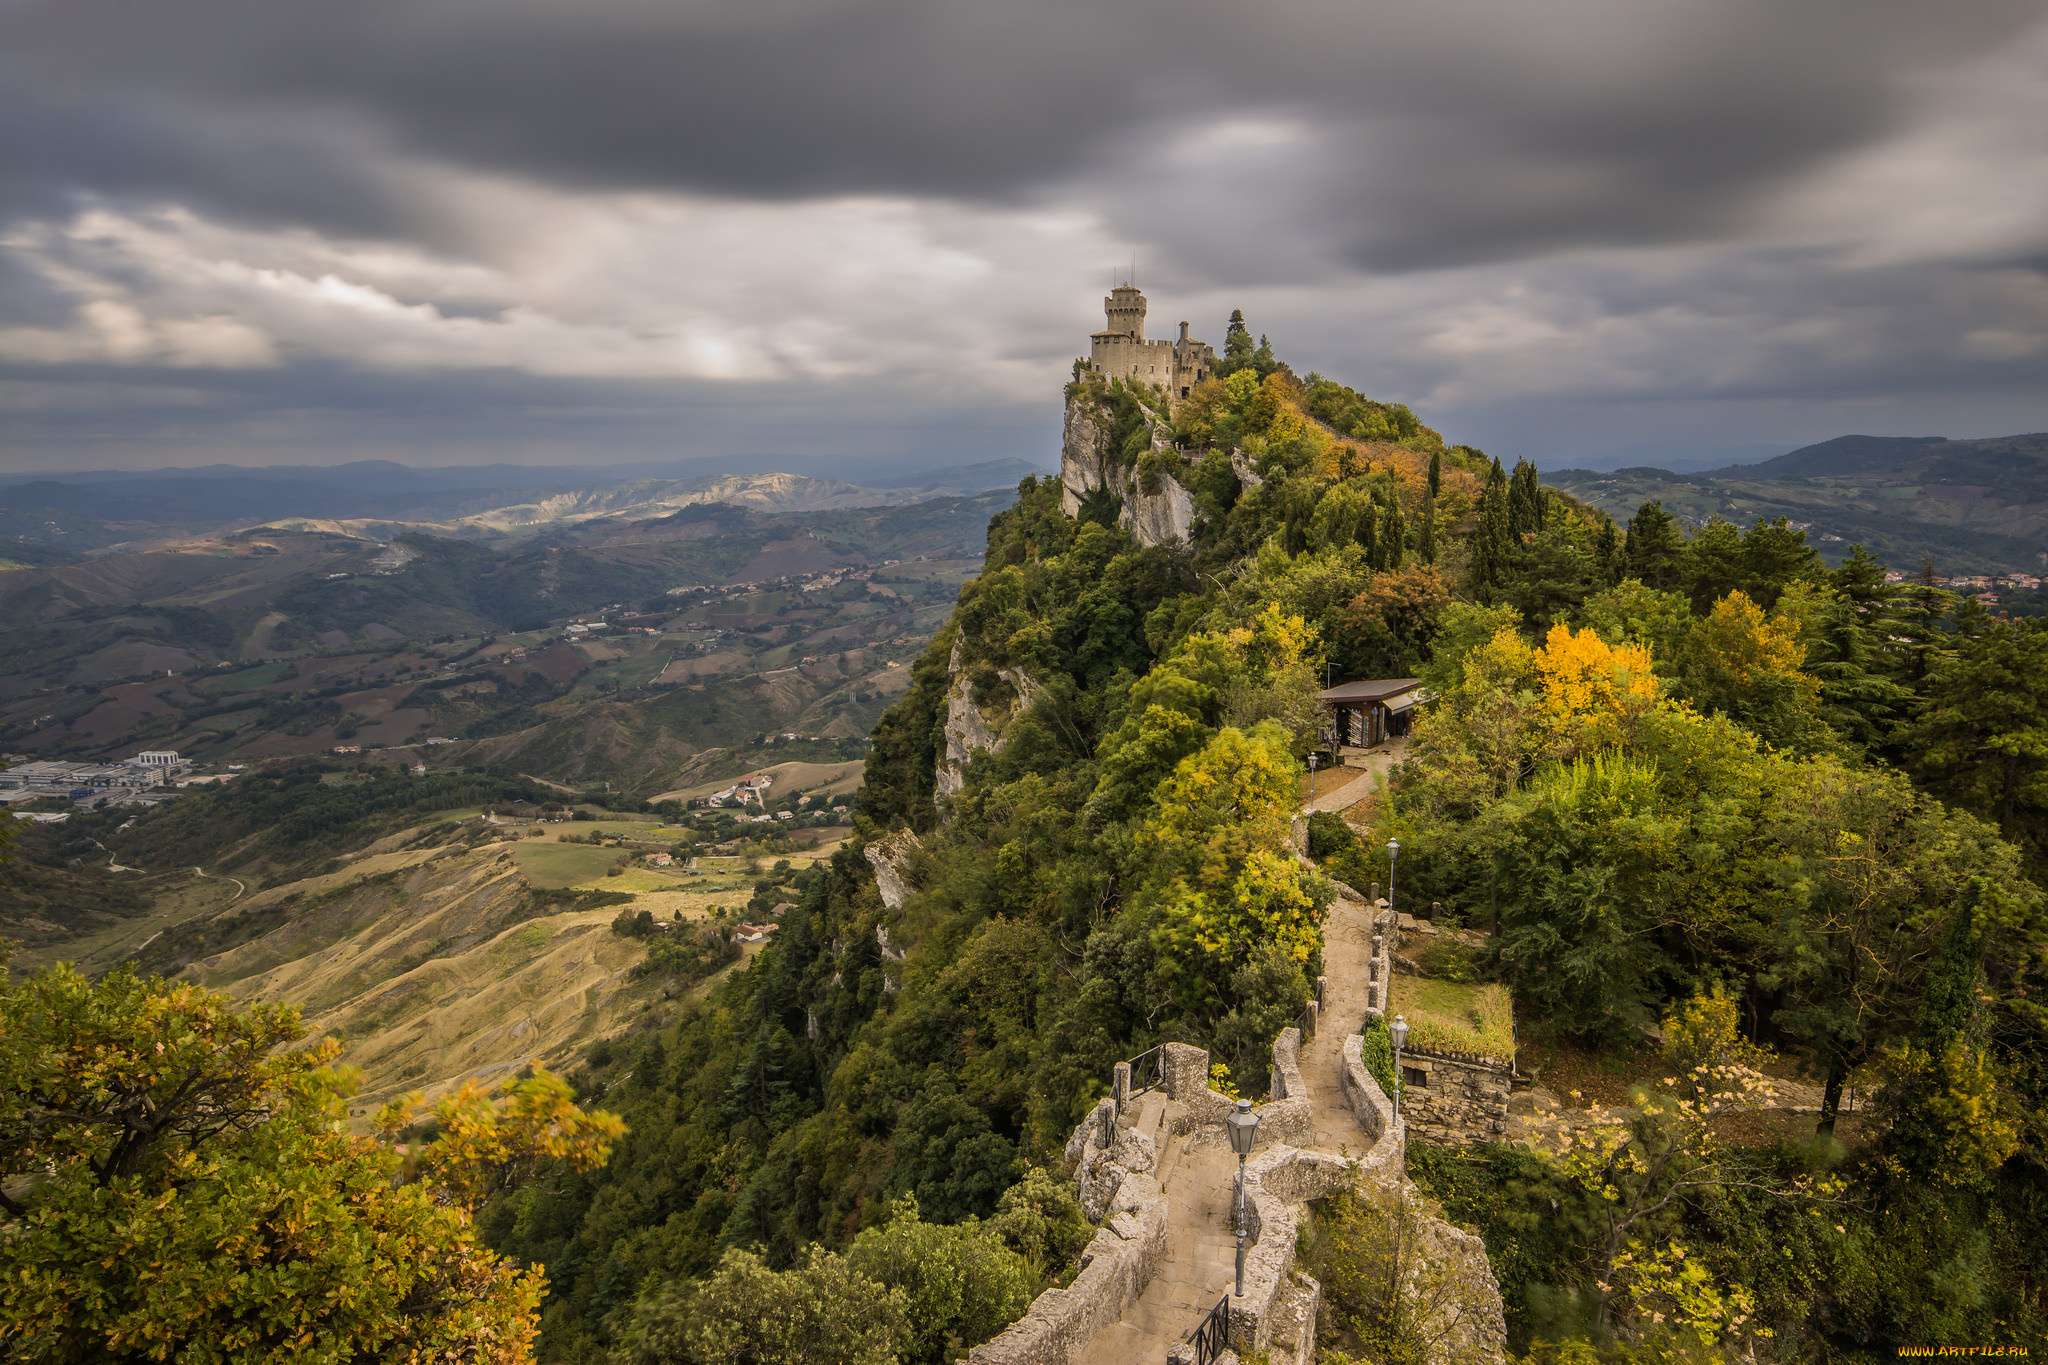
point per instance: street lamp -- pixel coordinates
(1311, 782)
(1398, 1031)
(1244, 1129)
(1393, 852)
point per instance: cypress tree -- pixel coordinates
(1425, 538)
(1369, 533)
(1495, 531)
(1525, 499)
(1436, 473)
(1607, 551)
(1394, 536)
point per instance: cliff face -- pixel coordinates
(1087, 463)
(968, 730)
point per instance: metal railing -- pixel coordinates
(1309, 1018)
(1148, 1070)
(1212, 1338)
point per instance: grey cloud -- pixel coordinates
(1463, 131)
(83, 418)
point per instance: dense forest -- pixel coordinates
(1710, 803)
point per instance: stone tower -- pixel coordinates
(1125, 308)
(1120, 350)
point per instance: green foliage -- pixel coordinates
(194, 1190)
(960, 1285)
(1981, 739)
(822, 1312)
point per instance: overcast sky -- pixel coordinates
(451, 231)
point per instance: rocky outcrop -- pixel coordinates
(891, 856)
(968, 731)
(1159, 517)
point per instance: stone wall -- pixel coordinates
(1116, 1266)
(1455, 1098)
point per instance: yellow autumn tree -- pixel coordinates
(1223, 876)
(1750, 667)
(1593, 691)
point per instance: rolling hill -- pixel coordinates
(1978, 506)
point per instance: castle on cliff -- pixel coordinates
(1120, 350)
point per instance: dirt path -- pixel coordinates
(210, 876)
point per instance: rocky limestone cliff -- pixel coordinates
(1086, 464)
(968, 731)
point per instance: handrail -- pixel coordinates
(1212, 1338)
(1148, 1070)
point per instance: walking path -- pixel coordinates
(1198, 1174)
(1347, 946)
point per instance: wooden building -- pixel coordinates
(1365, 714)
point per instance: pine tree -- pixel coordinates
(1655, 552)
(1262, 359)
(1237, 345)
(1607, 550)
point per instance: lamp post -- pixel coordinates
(1398, 1031)
(1393, 852)
(1244, 1128)
(1311, 784)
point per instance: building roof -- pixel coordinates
(1379, 689)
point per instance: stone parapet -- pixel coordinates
(1278, 1306)
(1117, 1264)
(1387, 1158)
(1287, 1081)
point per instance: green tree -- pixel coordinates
(1981, 738)
(1493, 538)
(1655, 550)
(1525, 500)
(195, 1193)
(1871, 875)
(1393, 538)
(960, 1285)
(820, 1312)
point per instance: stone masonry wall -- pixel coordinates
(1118, 1262)
(1459, 1100)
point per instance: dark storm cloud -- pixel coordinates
(618, 229)
(1468, 130)
(284, 166)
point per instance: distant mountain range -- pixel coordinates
(47, 517)
(1969, 506)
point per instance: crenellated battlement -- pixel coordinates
(1121, 351)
